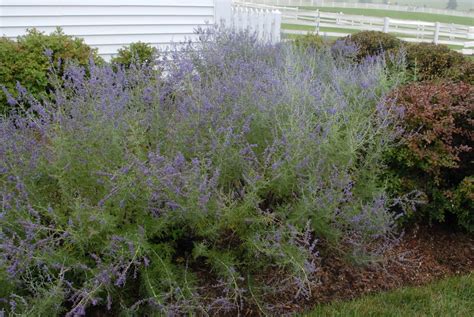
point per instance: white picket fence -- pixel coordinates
(411, 31)
(109, 25)
(264, 23)
(356, 5)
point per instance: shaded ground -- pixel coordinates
(424, 255)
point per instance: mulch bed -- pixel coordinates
(424, 254)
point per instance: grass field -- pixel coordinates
(400, 15)
(308, 28)
(450, 297)
(463, 5)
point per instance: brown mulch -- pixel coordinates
(424, 254)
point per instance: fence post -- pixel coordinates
(436, 34)
(252, 22)
(268, 26)
(386, 24)
(245, 19)
(467, 49)
(276, 27)
(222, 12)
(261, 25)
(318, 21)
(338, 19)
(470, 33)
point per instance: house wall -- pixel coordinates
(110, 24)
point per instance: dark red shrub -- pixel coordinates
(436, 151)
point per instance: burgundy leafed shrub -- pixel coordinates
(436, 155)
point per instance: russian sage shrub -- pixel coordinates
(208, 187)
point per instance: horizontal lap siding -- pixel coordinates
(109, 24)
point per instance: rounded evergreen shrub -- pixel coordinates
(427, 61)
(28, 61)
(436, 152)
(309, 41)
(371, 43)
(136, 53)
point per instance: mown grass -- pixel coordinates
(428, 17)
(330, 39)
(462, 4)
(300, 27)
(450, 297)
(308, 28)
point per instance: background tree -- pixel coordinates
(452, 4)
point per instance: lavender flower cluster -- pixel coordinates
(130, 189)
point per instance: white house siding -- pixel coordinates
(109, 24)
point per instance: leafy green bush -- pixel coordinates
(436, 154)
(372, 43)
(309, 41)
(28, 61)
(136, 53)
(427, 61)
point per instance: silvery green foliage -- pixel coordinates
(149, 190)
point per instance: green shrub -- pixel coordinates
(140, 53)
(309, 41)
(26, 60)
(427, 61)
(436, 153)
(372, 43)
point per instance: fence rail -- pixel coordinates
(339, 24)
(375, 6)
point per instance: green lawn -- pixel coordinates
(400, 15)
(294, 36)
(451, 297)
(463, 5)
(309, 28)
